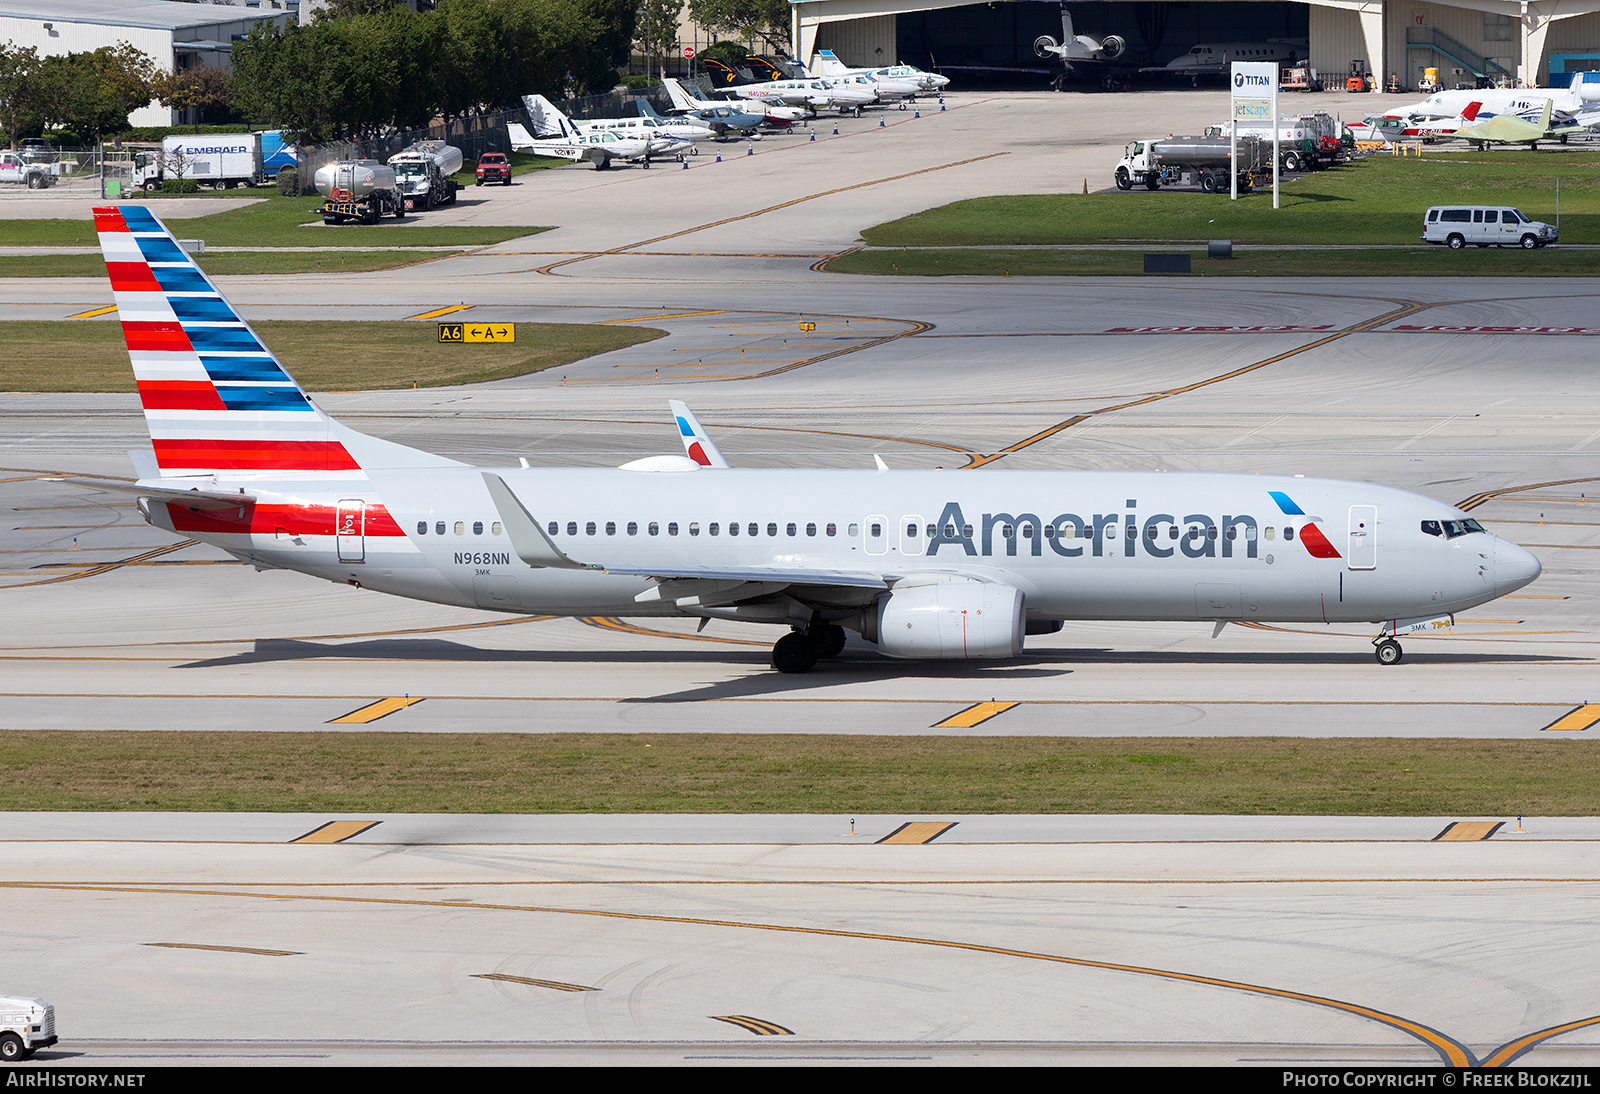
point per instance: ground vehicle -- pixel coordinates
(1305, 141)
(222, 160)
(1186, 161)
(358, 190)
(493, 167)
(1480, 225)
(422, 174)
(35, 176)
(26, 1025)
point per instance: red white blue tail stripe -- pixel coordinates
(215, 398)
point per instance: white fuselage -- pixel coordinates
(1079, 545)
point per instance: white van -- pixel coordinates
(26, 1025)
(1482, 225)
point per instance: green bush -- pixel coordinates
(179, 186)
(289, 182)
(637, 81)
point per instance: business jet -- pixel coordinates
(1078, 47)
(1443, 113)
(723, 115)
(923, 564)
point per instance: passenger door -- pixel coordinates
(1362, 550)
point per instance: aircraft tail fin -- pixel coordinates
(721, 74)
(215, 398)
(521, 139)
(765, 69)
(696, 444)
(825, 64)
(546, 117)
(1471, 112)
(680, 98)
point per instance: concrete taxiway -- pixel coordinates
(294, 939)
(1166, 940)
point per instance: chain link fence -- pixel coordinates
(67, 172)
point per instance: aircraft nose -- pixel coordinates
(1513, 567)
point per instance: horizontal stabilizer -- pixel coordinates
(193, 498)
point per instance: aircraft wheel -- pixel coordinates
(1388, 652)
(1124, 180)
(794, 653)
(827, 640)
(695, 151)
(1529, 242)
(1455, 242)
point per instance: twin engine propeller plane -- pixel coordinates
(923, 564)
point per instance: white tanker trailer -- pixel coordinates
(1179, 161)
(358, 190)
(423, 171)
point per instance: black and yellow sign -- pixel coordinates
(500, 333)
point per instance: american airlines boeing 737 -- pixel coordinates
(924, 564)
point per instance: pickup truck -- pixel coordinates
(26, 1025)
(35, 176)
(493, 167)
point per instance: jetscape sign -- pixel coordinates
(1255, 104)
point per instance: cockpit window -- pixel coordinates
(1450, 529)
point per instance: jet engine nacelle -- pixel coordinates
(1044, 46)
(950, 620)
(1113, 45)
(1588, 89)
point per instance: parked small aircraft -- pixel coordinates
(599, 146)
(1511, 129)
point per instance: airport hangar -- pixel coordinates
(1469, 41)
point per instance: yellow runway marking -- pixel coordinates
(606, 623)
(443, 311)
(673, 315)
(1509, 1051)
(1578, 718)
(531, 982)
(373, 711)
(1478, 499)
(975, 715)
(758, 1026)
(95, 312)
(224, 949)
(1451, 1051)
(109, 566)
(336, 831)
(918, 832)
(1468, 831)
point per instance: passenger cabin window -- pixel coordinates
(495, 528)
(422, 528)
(438, 529)
(477, 527)
(633, 527)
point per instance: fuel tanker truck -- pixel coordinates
(1193, 161)
(358, 190)
(422, 173)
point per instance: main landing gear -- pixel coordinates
(798, 651)
(1387, 651)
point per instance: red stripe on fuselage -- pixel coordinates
(132, 277)
(213, 455)
(157, 336)
(180, 395)
(289, 520)
(1317, 543)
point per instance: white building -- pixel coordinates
(177, 36)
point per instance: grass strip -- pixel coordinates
(1307, 262)
(1380, 199)
(783, 773)
(278, 221)
(323, 355)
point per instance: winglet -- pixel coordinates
(527, 538)
(695, 442)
